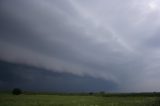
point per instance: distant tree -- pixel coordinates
(101, 92)
(16, 91)
(91, 93)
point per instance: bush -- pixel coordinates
(16, 91)
(91, 93)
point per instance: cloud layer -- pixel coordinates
(29, 78)
(113, 40)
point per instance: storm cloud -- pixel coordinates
(114, 40)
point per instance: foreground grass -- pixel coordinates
(55, 100)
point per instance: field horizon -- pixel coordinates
(79, 99)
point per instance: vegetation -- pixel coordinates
(16, 91)
(46, 99)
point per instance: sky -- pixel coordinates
(110, 42)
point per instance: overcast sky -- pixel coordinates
(113, 40)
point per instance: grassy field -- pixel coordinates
(68, 100)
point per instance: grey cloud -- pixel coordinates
(105, 39)
(36, 79)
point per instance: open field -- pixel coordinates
(73, 100)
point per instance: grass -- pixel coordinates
(73, 100)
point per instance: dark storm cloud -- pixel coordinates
(31, 78)
(113, 40)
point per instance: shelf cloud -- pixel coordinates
(111, 40)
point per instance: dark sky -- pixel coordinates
(113, 43)
(31, 78)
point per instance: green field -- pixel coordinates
(68, 100)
